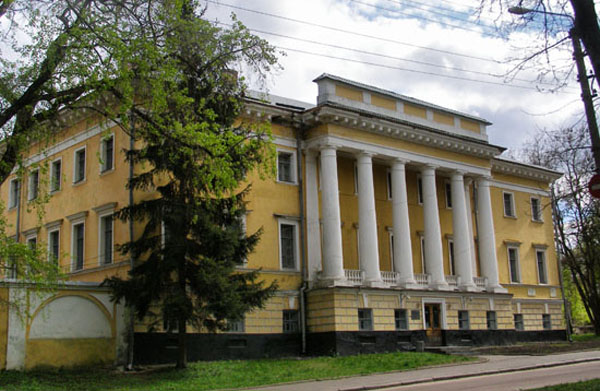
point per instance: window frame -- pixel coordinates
(545, 266)
(369, 318)
(53, 180)
(546, 322)
(296, 239)
(519, 322)
(423, 261)
(540, 218)
(236, 326)
(391, 243)
(293, 168)
(104, 156)
(398, 319)
(31, 238)
(74, 262)
(77, 180)
(461, 322)
(513, 211)
(388, 175)
(355, 171)
(33, 186)
(102, 239)
(419, 189)
(288, 322)
(50, 246)
(510, 247)
(491, 320)
(448, 193)
(451, 257)
(14, 193)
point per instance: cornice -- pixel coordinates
(524, 170)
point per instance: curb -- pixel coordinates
(466, 375)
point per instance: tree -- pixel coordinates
(193, 153)
(576, 214)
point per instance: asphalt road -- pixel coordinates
(522, 380)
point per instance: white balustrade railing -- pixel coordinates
(422, 279)
(390, 278)
(355, 277)
(481, 282)
(453, 280)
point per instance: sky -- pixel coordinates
(440, 52)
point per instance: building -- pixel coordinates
(391, 220)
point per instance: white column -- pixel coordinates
(313, 229)
(470, 224)
(487, 238)
(333, 262)
(433, 234)
(367, 222)
(460, 230)
(403, 262)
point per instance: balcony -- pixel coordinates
(453, 280)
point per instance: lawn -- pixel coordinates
(221, 374)
(590, 385)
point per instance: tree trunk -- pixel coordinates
(586, 23)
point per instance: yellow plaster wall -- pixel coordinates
(442, 118)
(3, 326)
(532, 314)
(348, 93)
(415, 111)
(470, 125)
(74, 352)
(380, 101)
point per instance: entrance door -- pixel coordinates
(433, 323)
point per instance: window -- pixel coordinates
(423, 260)
(509, 205)
(492, 324)
(392, 251)
(401, 319)
(420, 190)
(79, 166)
(290, 321)
(451, 256)
(32, 242)
(536, 210)
(106, 239)
(13, 196)
(519, 326)
(54, 246)
(513, 264)
(288, 244)
(33, 185)
(236, 326)
(546, 322)
(55, 175)
(107, 152)
(365, 319)
(463, 320)
(389, 184)
(355, 178)
(540, 256)
(77, 245)
(448, 188)
(286, 167)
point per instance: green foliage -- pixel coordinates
(578, 314)
(589, 385)
(194, 152)
(224, 374)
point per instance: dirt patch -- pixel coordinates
(539, 348)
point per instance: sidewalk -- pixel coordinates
(488, 365)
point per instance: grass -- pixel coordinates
(221, 374)
(590, 385)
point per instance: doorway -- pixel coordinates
(433, 323)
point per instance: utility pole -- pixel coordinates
(586, 96)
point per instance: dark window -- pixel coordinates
(463, 320)
(451, 256)
(546, 322)
(34, 183)
(389, 184)
(519, 326)
(420, 190)
(492, 324)
(32, 243)
(14, 193)
(106, 227)
(284, 167)
(55, 175)
(541, 265)
(79, 174)
(415, 315)
(513, 260)
(236, 326)
(78, 246)
(448, 195)
(288, 246)
(536, 213)
(509, 209)
(54, 246)
(107, 153)
(365, 319)
(290, 321)
(401, 319)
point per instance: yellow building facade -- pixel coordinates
(390, 221)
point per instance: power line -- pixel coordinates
(353, 32)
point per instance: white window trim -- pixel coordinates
(512, 204)
(539, 200)
(101, 255)
(12, 202)
(31, 185)
(30, 237)
(442, 303)
(419, 190)
(52, 175)
(84, 148)
(103, 152)
(447, 187)
(537, 269)
(76, 221)
(293, 166)
(49, 248)
(281, 221)
(518, 262)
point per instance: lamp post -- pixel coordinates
(586, 94)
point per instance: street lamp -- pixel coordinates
(586, 94)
